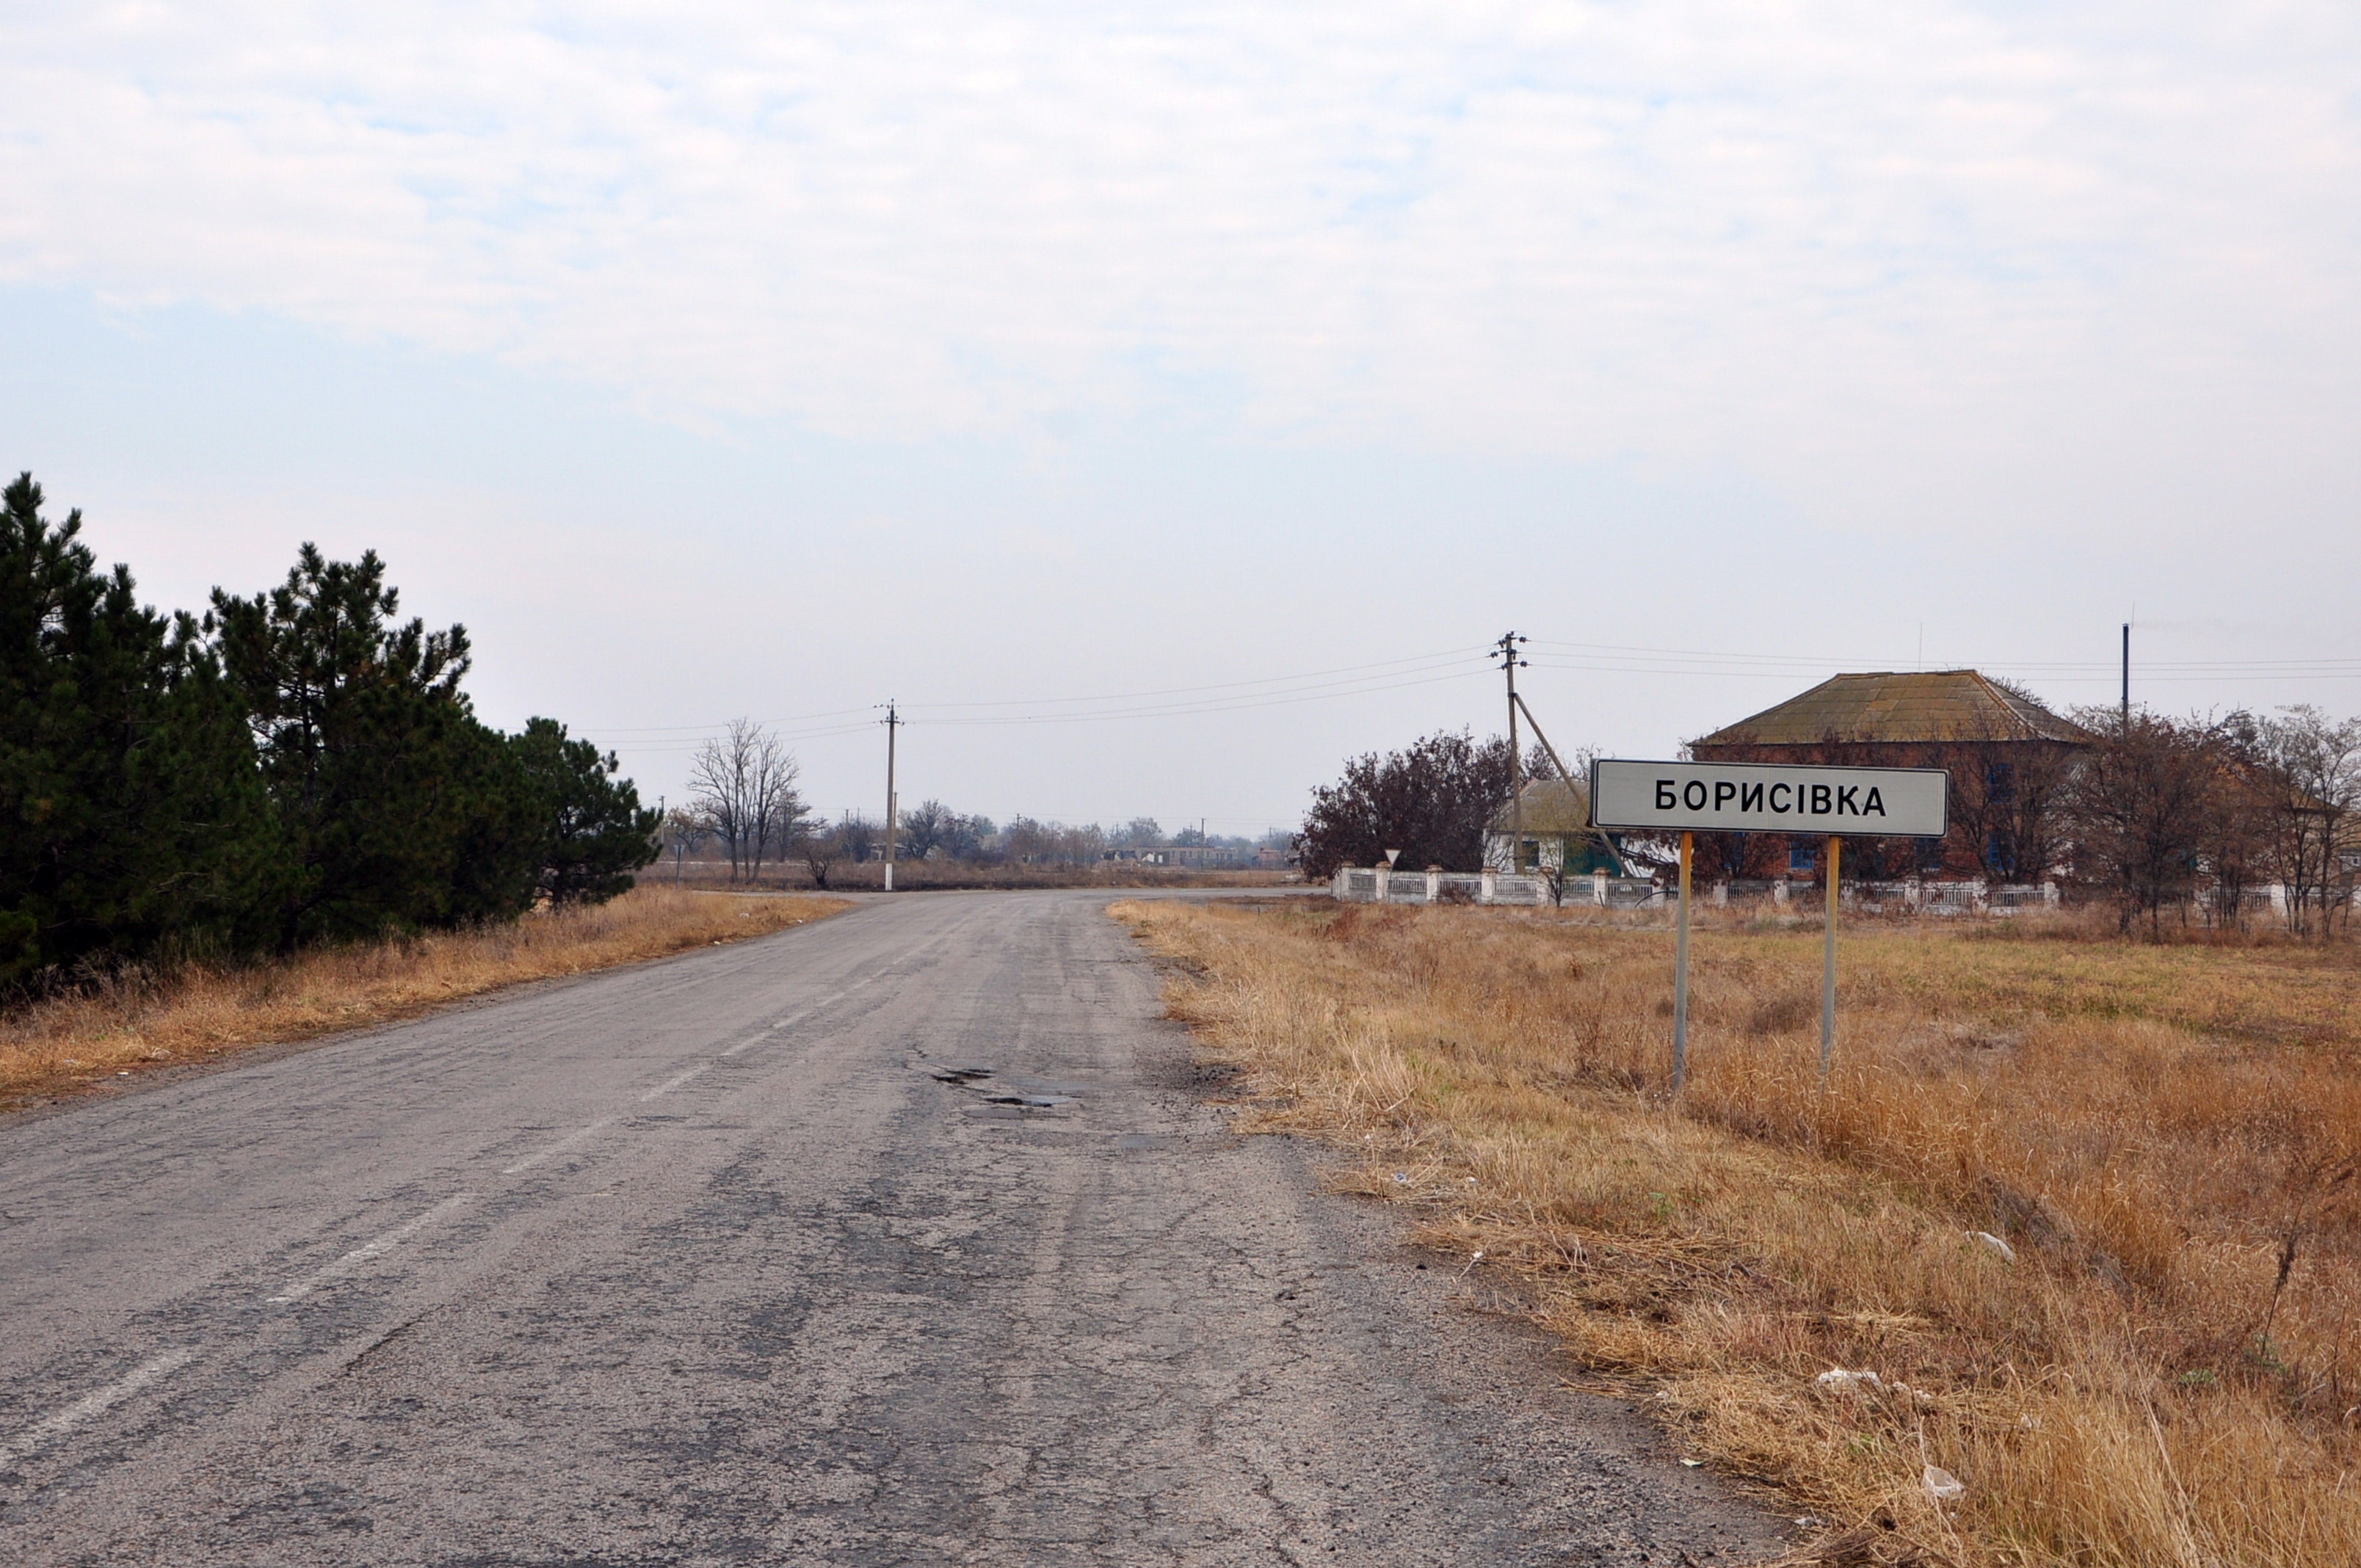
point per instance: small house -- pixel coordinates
(1554, 815)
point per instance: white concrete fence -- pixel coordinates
(1375, 884)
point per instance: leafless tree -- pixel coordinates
(745, 784)
(963, 839)
(2138, 807)
(927, 830)
(1140, 833)
(2312, 771)
(862, 840)
(2233, 848)
(820, 848)
(684, 829)
(1053, 843)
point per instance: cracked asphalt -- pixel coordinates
(718, 1261)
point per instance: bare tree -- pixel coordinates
(925, 830)
(2310, 768)
(860, 839)
(963, 839)
(2137, 805)
(820, 848)
(684, 828)
(745, 784)
(1083, 845)
(1140, 833)
(1053, 843)
(2234, 847)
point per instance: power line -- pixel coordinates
(1582, 654)
(1306, 690)
(1444, 665)
(1226, 686)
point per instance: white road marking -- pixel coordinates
(668, 1085)
(559, 1147)
(368, 1251)
(41, 1433)
(771, 1028)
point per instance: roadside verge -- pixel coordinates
(2041, 1274)
(136, 1020)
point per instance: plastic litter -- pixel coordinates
(1942, 1485)
(1998, 1247)
(1837, 1377)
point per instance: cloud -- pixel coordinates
(1756, 233)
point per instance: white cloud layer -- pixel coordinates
(773, 358)
(1754, 233)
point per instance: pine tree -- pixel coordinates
(594, 833)
(396, 808)
(130, 809)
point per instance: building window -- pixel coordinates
(1800, 854)
(1929, 853)
(2000, 855)
(2000, 782)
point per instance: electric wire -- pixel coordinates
(1435, 668)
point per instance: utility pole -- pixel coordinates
(2127, 674)
(893, 724)
(1507, 650)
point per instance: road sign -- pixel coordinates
(1769, 797)
(1689, 798)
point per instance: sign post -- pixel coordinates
(1689, 798)
(1680, 977)
(1829, 963)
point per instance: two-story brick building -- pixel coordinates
(2007, 756)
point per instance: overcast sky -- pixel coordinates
(1248, 368)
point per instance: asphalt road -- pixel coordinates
(705, 1262)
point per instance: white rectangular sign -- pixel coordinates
(1770, 797)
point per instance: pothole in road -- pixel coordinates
(1017, 1094)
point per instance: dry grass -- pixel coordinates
(2168, 1137)
(139, 1019)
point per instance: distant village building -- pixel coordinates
(2007, 754)
(1196, 857)
(1556, 816)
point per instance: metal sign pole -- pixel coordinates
(1681, 976)
(1690, 798)
(1828, 964)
